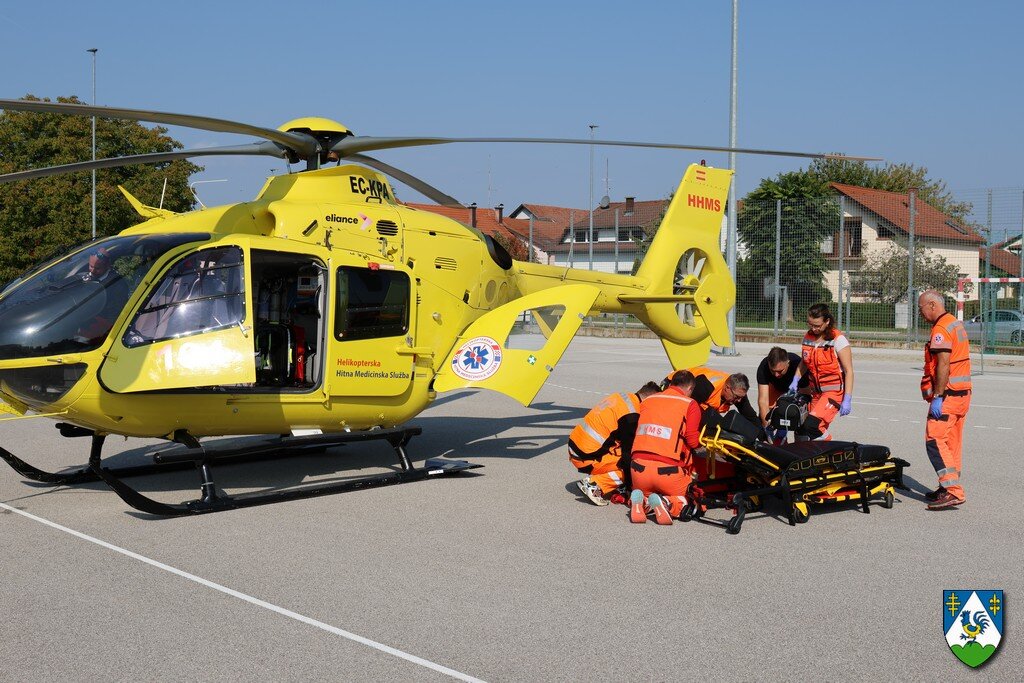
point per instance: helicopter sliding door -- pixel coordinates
(193, 330)
(372, 331)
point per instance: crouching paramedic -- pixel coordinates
(946, 385)
(599, 446)
(720, 392)
(662, 464)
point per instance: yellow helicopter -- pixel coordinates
(324, 310)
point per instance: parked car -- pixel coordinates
(1008, 326)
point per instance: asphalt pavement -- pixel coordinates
(506, 573)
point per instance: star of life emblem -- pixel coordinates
(477, 359)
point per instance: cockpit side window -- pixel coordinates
(70, 304)
(202, 292)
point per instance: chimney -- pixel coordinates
(472, 214)
(498, 211)
(629, 206)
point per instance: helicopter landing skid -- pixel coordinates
(202, 458)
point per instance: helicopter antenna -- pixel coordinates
(163, 192)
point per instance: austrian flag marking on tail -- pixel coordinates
(701, 175)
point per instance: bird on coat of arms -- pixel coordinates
(973, 630)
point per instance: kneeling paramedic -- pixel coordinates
(662, 464)
(599, 446)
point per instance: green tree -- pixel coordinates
(809, 215)
(885, 273)
(43, 216)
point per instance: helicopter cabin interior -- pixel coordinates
(206, 291)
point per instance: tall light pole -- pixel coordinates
(590, 231)
(93, 50)
(730, 244)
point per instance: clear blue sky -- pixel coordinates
(937, 84)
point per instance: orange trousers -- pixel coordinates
(670, 481)
(944, 441)
(606, 472)
(825, 407)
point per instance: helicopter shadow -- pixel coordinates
(480, 437)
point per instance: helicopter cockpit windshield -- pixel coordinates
(70, 305)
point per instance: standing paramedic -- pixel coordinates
(599, 445)
(946, 385)
(828, 364)
(662, 464)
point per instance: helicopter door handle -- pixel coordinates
(244, 329)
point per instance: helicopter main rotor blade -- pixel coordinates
(257, 148)
(304, 145)
(412, 181)
(352, 145)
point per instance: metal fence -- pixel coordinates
(866, 253)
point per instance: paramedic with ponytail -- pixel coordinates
(827, 362)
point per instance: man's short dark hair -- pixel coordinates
(648, 389)
(682, 379)
(776, 355)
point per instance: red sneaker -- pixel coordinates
(946, 500)
(657, 504)
(637, 513)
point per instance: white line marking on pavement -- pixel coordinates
(913, 400)
(585, 391)
(248, 598)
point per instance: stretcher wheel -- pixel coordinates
(888, 500)
(733, 526)
(800, 513)
(754, 503)
(686, 514)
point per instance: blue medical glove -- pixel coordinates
(936, 409)
(794, 383)
(846, 406)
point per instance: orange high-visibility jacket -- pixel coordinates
(668, 426)
(822, 361)
(601, 430)
(714, 399)
(948, 335)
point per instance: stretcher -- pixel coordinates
(744, 469)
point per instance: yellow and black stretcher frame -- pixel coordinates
(799, 474)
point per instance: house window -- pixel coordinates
(854, 236)
(581, 235)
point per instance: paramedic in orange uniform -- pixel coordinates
(828, 364)
(599, 445)
(662, 466)
(946, 385)
(721, 392)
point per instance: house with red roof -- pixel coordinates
(488, 221)
(875, 221)
(611, 245)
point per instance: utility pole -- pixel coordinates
(730, 244)
(93, 50)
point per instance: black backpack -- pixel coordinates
(789, 412)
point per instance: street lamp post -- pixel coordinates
(590, 230)
(93, 50)
(730, 244)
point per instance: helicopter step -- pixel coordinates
(198, 457)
